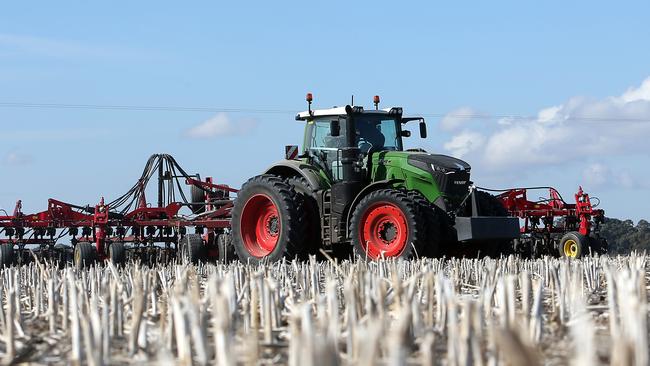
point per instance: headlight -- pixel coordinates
(439, 169)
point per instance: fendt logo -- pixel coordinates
(460, 181)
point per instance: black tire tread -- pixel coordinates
(117, 253)
(581, 240)
(87, 255)
(311, 219)
(415, 221)
(432, 225)
(6, 255)
(290, 202)
(192, 247)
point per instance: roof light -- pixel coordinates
(395, 110)
(376, 101)
(309, 98)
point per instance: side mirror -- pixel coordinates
(406, 133)
(335, 128)
(423, 129)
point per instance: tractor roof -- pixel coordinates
(338, 111)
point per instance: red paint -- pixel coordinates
(547, 210)
(260, 225)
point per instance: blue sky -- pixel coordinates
(557, 62)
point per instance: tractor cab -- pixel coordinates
(329, 131)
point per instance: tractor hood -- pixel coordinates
(451, 175)
(439, 163)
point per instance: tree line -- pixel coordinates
(624, 237)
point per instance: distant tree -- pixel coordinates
(623, 237)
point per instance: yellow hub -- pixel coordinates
(571, 248)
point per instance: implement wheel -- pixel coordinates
(386, 224)
(6, 255)
(84, 255)
(267, 220)
(191, 248)
(573, 245)
(226, 250)
(117, 253)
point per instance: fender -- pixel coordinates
(367, 189)
(290, 168)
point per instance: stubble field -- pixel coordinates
(422, 312)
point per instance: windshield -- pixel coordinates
(372, 132)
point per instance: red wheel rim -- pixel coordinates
(260, 225)
(383, 230)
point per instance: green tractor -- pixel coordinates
(355, 190)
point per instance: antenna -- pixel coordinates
(352, 102)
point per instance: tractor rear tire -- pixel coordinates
(117, 253)
(191, 248)
(312, 216)
(85, 255)
(225, 248)
(573, 245)
(386, 224)
(268, 221)
(433, 225)
(6, 255)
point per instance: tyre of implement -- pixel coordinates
(6, 255)
(198, 198)
(191, 248)
(311, 217)
(63, 255)
(267, 220)
(386, 223)
(117, 253)
(573, 245)
(226, 250)
(84, 255)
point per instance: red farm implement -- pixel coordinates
(552, 226)
(128, 226)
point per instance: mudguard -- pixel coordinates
(289, 168)
(367, 189)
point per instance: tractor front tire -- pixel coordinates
(6, 255)
(85, 255)
(573, 245)
(432, 225)
(386, 224)
(191, 248)
(268, 221)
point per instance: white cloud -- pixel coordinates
(579, 129)
(596, 174)
(16, 158)
(221, 125)
(457, 118)
(600, 175)
(464, 143)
